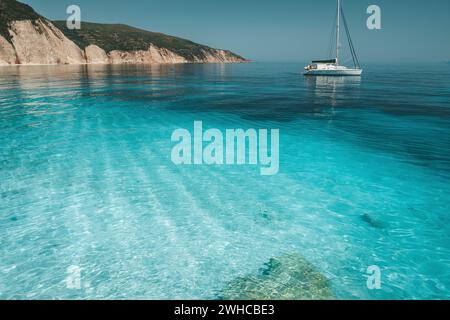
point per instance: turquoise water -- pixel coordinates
(86, 180)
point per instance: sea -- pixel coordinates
(93, 207)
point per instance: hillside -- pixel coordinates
(122, 37)
(12, 10)
(29, 38)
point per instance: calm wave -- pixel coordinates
(86, 180)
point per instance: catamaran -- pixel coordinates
(332, 67)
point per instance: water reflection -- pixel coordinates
(35, 76)
(332, 88)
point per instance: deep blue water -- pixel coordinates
(86, 180)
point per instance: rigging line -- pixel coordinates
(352, 48)
(347, 34)
(333, 36)
(349, 39)
(330, 42)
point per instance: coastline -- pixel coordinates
(31, 39)
(120, 64)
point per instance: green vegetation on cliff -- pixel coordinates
(12, 10)
(109, 37)
(122, 37)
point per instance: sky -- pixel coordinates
(280, 30)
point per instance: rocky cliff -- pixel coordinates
(28, 38)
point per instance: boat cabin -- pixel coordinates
(321, 64)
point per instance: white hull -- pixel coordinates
(338, 72)
(332, 67)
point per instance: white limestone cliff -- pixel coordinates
(7, 53)
(41, 42)
(95, 55)
(217, 55)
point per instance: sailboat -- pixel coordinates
(332, 67)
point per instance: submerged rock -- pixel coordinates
(289, 277)
(265, 214)
(371, 221)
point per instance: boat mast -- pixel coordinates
(338, 31)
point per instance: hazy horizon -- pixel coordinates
(285, 30)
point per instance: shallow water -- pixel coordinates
(86, 180)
